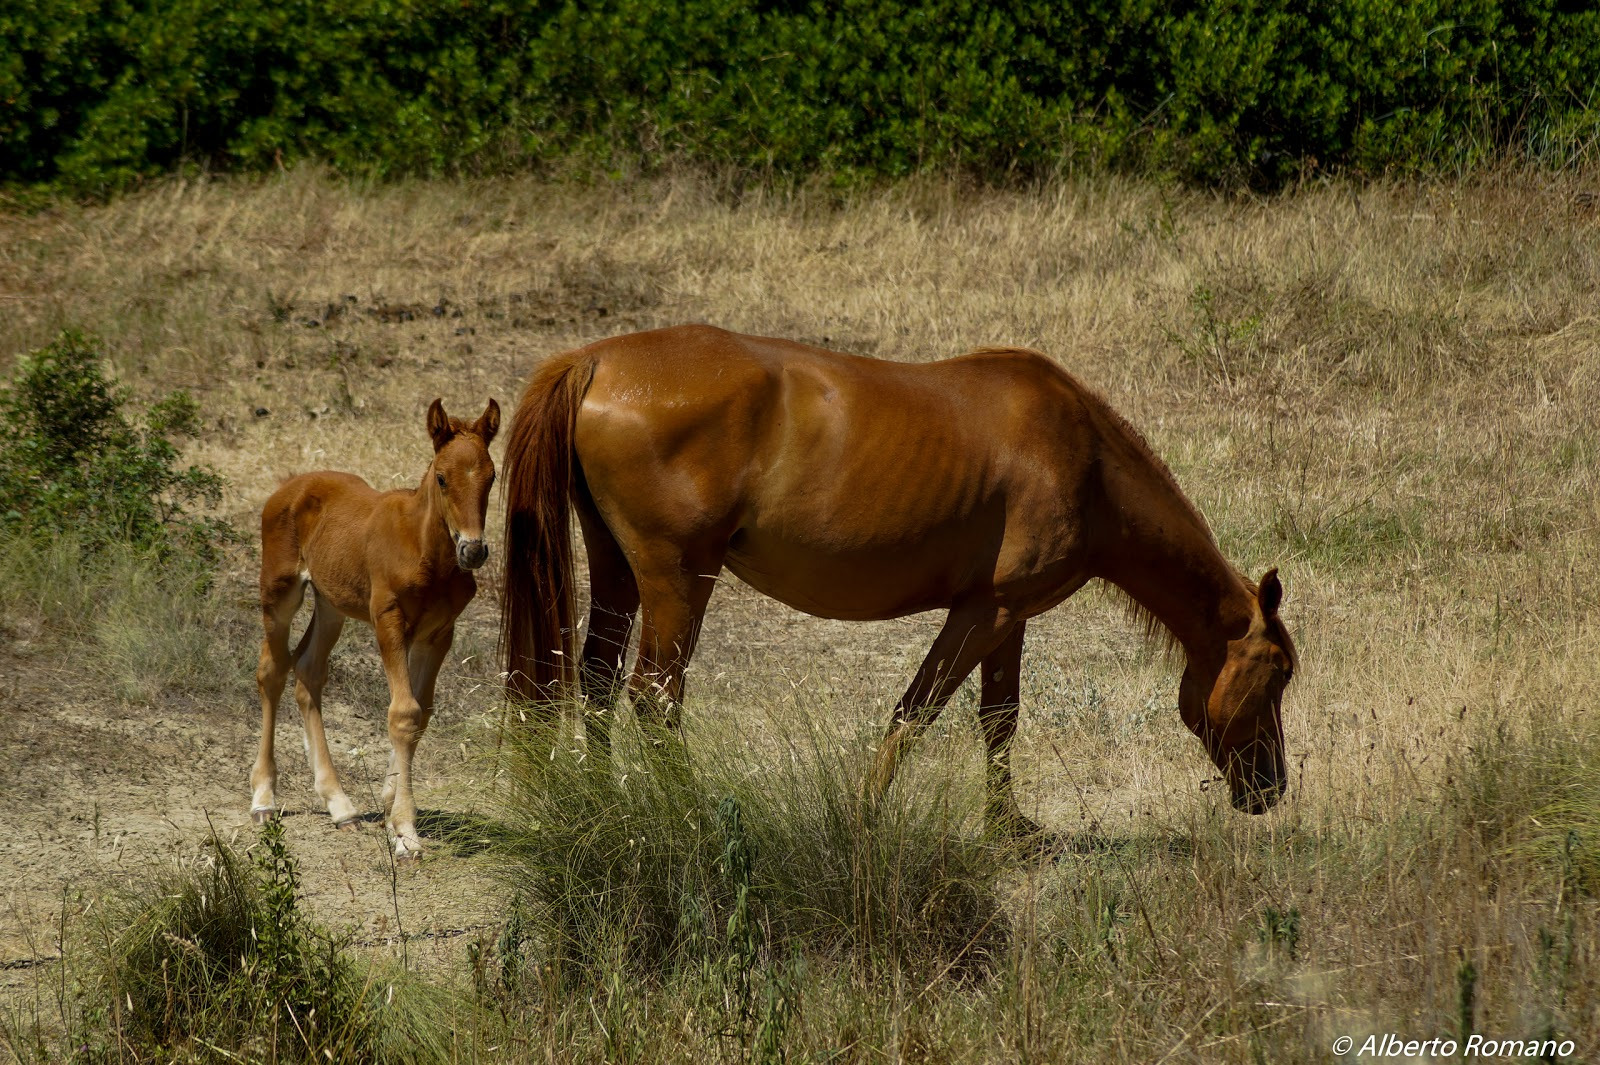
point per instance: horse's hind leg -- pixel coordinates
(673, 593)
(310, 676)
(281, 596)
(970, 634)
(613, 600)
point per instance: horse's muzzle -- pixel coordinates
(1259, 799)
(470, 554)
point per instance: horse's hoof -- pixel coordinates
(1024, 837)
(262, 814)
(349, 824)
(1041, 844)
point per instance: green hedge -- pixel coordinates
(94, 93)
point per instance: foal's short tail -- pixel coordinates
(536, 603)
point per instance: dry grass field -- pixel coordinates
(1392, 393)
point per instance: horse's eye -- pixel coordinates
(440, 478)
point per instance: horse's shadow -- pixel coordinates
(465, 833)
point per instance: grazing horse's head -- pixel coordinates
(461, 475)
(1235, 703)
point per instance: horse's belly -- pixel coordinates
(863, 585)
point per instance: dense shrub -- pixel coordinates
(98, 92)
(73, 466)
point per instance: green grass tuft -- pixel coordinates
(663, 859)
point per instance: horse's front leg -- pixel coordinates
(998, 705)
(406, 724)
(426, 655)
(971, 632)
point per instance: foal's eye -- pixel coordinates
(440, 478)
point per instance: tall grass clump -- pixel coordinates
(101, 530)
(1534, 799)
(736, 851)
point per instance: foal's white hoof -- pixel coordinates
(342, 810)
(407, 850)
(349, 824)
(262, 814)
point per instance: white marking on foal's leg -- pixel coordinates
(389, 780)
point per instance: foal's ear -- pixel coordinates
(488, 422)
(1269, 594)
(439, 425)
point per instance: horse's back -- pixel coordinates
(304, 498)
(846, 486)
(668, 379)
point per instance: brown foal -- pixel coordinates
(992, 486)
(400, 561)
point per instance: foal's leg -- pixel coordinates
(970, 633)
(310, 677)
(406, 722)
(673, 593)
(280, 599)
(422, 662)
(613, 599)
(997, 715)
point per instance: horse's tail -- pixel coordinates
(536, 600)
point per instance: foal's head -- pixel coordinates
(1235, 704)
(461, 475)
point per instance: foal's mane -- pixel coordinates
(1156, 635)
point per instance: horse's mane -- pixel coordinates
(1154, 632)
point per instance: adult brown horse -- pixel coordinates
(400, 561)
(993, 486)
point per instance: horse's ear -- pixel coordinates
(1269, 594)
(439, 425)
(488, 422)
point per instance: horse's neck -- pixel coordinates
(427, 524)
(1159, 551)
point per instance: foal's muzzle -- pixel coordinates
(470, 554)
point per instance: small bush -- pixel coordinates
(98, 530)
(220, 956)
(73, 464)
(224, 951)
